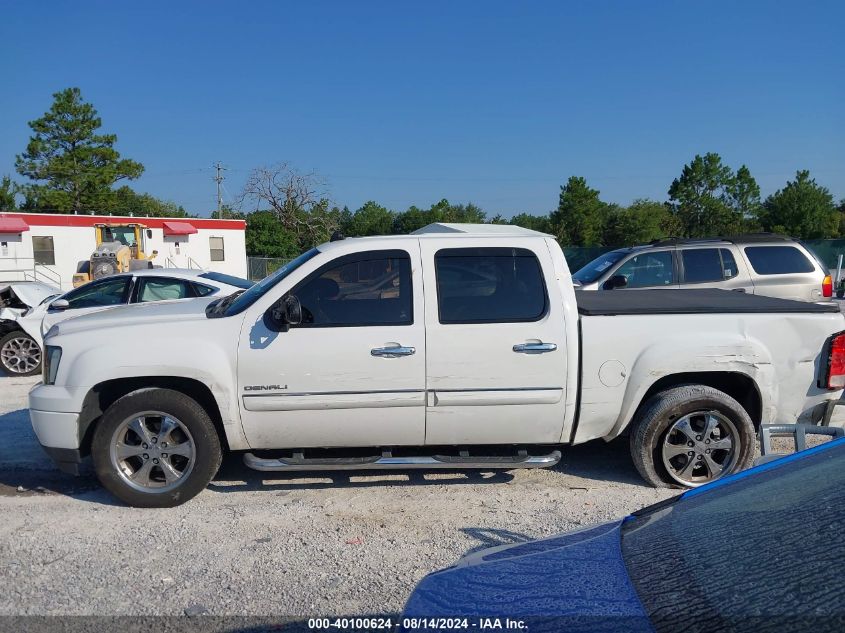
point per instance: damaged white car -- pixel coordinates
(22, 333)
(16, 299)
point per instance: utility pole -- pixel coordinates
(218, 178)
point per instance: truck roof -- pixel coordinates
(499, 230)
(439, 230)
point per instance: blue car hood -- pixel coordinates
(579, 574)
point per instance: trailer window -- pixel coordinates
(43, 251)
(218, 254)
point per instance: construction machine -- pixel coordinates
(120, 248)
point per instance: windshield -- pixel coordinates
(123, 234)
(231, 280)
(592, 271)
(255, 292)
(767, 544)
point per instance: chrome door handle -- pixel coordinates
(393, 352)
(534, 348)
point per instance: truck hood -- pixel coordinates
(140, 313)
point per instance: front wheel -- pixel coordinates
(155, 448)
(20, 355)
(691, 435)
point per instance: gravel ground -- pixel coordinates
(253, 544)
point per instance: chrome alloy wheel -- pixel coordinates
(152, 451)
(20, 355)
(700, 447)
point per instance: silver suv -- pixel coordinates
(760, 263)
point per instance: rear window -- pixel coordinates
(778, 260)
(489, 285)
(764, 548)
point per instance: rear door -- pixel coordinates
(713, 267)
(495, 342)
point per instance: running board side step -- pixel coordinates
(388, 462)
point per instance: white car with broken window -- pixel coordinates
(21, 335)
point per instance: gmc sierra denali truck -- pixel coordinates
(459, 346)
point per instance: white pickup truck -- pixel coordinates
(460, 346)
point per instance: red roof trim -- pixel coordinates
(179, 228)
(61, 219)
(12, 225)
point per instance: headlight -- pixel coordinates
(52, 356)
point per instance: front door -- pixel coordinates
(94, 296)
(353, 373)
(496, 346)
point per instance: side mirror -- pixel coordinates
(285, 312)
(617, 281)
(149, 234)
(60, 304)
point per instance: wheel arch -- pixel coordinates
(741, 387)
(102, 395)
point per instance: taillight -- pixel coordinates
(836, 362)
(827, 287)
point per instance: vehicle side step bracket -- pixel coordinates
(386, 461)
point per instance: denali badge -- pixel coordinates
(264, 387)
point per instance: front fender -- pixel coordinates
(209, 364)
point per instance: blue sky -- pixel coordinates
(497, 103)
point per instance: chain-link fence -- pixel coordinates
(259, 267)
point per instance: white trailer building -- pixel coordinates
(48, 247)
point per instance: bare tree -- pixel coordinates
(300, 201)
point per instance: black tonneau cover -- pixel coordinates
(704, 301)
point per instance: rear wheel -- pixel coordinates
(155, 448)
(20, 355)
(691, 435)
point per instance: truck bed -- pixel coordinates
(704, 301)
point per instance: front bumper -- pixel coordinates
(58, 434)
(67, 459)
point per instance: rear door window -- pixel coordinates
(163, 289)
(728, 263)
(708, 265)
(778, 260)
(648, 270)
(489, 285)
(702, 264)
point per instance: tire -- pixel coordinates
(671, 445)
(132, 461)
(20, 355)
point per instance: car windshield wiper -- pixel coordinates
(218, 307)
